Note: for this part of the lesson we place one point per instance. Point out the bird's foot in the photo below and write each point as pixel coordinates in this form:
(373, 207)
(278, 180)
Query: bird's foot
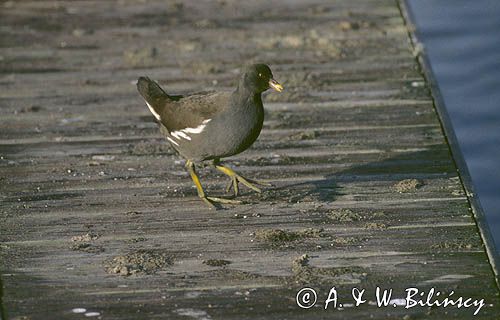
(210, 204)
(214, 202)
(250, 183)
(224, 200)
(235, 179)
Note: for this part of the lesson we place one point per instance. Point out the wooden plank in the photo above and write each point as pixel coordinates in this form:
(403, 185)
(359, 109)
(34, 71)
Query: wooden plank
(88, 184)
(479, 214)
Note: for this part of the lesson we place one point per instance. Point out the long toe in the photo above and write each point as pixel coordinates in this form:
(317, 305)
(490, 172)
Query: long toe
(223, 200)
(233, 183)
(229, 186)
(248, 184)
(259, 182)
(236, 178)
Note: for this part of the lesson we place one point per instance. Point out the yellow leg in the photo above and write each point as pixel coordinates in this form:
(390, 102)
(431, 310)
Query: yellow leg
(197, 183)
(208, 200)
(236, 178)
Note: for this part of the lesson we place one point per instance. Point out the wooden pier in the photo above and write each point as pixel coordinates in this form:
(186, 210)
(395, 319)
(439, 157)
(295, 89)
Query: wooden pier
(98, 218)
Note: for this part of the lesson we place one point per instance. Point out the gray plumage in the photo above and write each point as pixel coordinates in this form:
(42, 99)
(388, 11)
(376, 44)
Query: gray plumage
(212, 126)
(229, 123)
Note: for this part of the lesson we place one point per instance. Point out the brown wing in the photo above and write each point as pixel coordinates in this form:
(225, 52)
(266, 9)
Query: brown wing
(190, 111)
(179, 112)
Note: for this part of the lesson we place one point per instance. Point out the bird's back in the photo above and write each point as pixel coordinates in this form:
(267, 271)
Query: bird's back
(206, 125)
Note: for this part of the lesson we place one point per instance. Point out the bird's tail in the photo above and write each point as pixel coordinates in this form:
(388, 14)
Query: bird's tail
(153, 94)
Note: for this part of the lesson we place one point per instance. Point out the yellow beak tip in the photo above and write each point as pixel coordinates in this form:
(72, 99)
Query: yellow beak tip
(276, 86)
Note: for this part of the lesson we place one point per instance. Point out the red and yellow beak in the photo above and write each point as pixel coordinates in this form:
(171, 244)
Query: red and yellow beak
(275, 85)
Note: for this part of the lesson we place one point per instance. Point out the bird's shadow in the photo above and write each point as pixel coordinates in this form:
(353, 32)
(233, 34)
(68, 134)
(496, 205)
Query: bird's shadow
(429, 163)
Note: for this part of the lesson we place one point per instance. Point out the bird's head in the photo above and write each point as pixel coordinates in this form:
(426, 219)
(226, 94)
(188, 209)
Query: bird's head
(258, 78)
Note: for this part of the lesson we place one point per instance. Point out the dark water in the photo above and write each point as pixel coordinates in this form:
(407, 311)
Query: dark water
(462, 41)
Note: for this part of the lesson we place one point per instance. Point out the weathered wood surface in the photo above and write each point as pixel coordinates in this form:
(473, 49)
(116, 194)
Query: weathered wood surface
(82, 155)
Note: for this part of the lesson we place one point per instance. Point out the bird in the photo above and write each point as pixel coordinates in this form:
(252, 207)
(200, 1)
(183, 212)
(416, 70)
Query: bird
(211, 126)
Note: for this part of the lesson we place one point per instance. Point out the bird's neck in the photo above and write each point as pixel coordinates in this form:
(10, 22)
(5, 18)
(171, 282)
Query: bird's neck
(245, 94)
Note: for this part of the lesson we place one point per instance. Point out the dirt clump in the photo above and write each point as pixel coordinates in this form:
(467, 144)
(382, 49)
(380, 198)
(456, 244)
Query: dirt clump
(84, 243)
(141, 261)
(408, 185)
(344, 215)
(89, 236)
(460, 243)
(346, 241)
(280, 235)
(216, 262)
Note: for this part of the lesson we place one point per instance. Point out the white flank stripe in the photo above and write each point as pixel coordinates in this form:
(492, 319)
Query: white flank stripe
(175, 134)
(182, 134)
(157, 116)
(172, 140)
(198, 129)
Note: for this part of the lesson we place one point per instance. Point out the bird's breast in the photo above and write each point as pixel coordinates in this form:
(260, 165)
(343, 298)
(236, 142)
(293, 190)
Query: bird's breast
(249, 127)
(237, 129)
